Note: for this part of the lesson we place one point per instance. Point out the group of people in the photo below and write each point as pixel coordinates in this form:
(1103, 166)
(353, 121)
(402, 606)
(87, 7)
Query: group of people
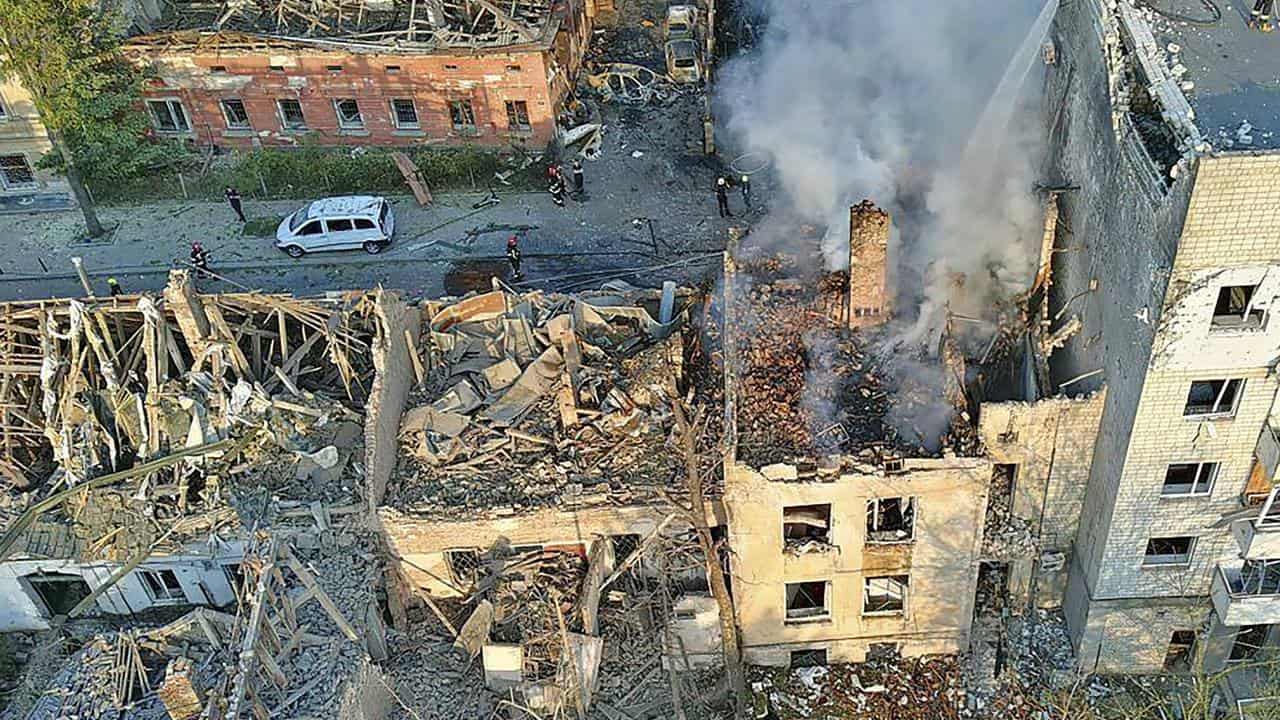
(555, 182)
(723, 185)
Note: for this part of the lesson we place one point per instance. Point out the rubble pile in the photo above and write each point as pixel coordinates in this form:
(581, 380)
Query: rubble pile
(539, 400)
(929, 688)
(1006, 536)
(429, 672)
(89, 685)
(524, 591)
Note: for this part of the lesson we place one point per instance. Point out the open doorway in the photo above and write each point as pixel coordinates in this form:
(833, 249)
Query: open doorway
(58, 592)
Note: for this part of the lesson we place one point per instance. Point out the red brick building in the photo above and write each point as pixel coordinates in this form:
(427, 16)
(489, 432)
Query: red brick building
(467, 72)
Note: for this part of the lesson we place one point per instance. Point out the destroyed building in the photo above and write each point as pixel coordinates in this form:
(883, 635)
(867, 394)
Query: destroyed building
(1167, 251)
(363, 72)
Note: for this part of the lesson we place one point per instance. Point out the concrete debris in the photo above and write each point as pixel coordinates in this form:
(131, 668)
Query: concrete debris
(538, 400)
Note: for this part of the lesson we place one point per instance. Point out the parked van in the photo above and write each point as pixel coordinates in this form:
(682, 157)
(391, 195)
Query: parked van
(338, 223)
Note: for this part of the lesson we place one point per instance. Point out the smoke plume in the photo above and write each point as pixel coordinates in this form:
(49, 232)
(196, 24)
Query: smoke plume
(927, 109)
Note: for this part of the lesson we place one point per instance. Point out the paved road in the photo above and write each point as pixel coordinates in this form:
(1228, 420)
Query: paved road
(649, 204)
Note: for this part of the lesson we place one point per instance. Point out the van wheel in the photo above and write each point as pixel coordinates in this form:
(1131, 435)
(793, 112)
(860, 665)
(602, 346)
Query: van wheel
(294, 251)
(373, 248)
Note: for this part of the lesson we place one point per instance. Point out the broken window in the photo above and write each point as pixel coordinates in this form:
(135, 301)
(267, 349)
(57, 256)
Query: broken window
(1259, 577)
(393, 69)
(1189, 479)
(623, 547)
(4, 109)
(1178, 656)
(884, 595)
(60, 592)
(807, 600)
(462, 115)
(291, 117)
(1213, 397)
(1249, 641)
(333, 68)
(891, 520)
(518, 116)
(464, 565)
(217, 68)
(349, 116)
(16, 173)
(168, 116)
(1169, 551)
(808, 658)
(1235, 310)
(234, 113)
(234, 574)
(163, 585)
(804, 526)
(405, 114)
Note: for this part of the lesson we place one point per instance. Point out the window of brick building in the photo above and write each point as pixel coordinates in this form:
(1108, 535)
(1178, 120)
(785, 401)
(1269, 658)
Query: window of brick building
(405, 114)
(4, 109)
(163, 585)
(1182, 479)
(1169, 551)
(462, 115)
(349, 116)
(291, 117)
(518, 116)
(885, 595)
(16, 173)
(1234, 309)
(1213, 397)
(1179, 654)
(393, 69)
(808, 658)
(802, 524)
(891, 520)
(168, 116)
(807, 600)
(236, 116)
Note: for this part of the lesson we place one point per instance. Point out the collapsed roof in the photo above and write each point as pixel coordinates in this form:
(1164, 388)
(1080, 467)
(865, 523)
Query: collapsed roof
(539, 399)
(417, 24)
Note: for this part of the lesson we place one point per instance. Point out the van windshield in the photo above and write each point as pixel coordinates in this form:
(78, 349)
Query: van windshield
(296, 219)
(382, 216)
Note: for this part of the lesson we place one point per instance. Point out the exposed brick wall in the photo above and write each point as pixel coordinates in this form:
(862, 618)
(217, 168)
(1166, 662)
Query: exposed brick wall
(488, 80)
(869, 228)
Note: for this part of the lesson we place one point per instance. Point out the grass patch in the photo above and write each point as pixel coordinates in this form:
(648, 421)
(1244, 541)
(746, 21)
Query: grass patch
(262, 226)
(312, 172)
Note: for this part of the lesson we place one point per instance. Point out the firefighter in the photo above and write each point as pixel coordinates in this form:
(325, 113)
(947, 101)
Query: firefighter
(200, 258)
(579, 178)
(557, 190)
(722, 196)
(513, 256)
(113, 286)
(746, 191)
(233, 199)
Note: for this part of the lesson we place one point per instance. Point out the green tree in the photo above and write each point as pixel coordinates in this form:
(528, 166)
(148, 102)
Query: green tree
(64, 52)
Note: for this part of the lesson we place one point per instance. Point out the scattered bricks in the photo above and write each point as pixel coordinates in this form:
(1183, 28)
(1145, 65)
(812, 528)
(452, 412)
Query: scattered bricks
(178, 693)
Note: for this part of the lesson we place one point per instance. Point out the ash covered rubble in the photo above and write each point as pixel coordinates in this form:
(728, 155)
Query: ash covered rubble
(821, 374)
(537, 400)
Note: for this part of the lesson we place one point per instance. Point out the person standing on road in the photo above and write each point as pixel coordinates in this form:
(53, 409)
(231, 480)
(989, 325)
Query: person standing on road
(113, 286)
(233, 199)
(722, 196)
(746, 191)
(200, 259)
(1260, 18)
(513, 256)
(579, 178)
(557, 191)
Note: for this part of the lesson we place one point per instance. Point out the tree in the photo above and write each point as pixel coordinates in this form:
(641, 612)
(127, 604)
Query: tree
(697, 514)
(65, 54)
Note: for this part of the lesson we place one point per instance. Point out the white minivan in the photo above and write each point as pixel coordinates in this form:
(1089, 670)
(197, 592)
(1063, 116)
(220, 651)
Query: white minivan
(338, 223)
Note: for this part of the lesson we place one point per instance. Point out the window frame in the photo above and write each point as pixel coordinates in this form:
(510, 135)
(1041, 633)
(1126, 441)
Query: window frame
(169, 103)
(284, 122)
(31, 171)
(226, 117)
(473, 128)
(1147, 561)
(4, 108)
(824, 616)
(344, 124)
(872, 517)
(1227, 322)
(1215, 410)
(1215, 469)
(513, 108)
(167, 595)
(395, 114)
(906, 595)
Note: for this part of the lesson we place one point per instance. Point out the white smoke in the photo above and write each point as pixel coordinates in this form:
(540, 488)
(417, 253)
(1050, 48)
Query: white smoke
(928, 109)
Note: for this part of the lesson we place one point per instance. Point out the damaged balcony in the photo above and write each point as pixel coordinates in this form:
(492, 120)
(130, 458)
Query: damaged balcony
(1247, 592)
(1259, 537)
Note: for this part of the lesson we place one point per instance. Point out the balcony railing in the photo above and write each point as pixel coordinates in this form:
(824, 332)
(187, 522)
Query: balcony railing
(1247, 592)
(1252, 579)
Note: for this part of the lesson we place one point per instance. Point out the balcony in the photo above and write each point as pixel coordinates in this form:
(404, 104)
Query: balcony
(1258, 540)
(1247, 593)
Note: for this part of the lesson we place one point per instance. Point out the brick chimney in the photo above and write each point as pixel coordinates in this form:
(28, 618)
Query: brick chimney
(868, 265)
